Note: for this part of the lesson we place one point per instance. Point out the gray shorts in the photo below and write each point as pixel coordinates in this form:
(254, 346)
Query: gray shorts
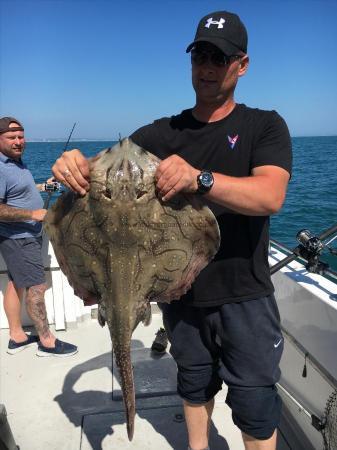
(23, 259)
(238, 343)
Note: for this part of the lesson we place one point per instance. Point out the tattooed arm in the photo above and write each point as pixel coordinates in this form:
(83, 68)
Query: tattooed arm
(10, 214)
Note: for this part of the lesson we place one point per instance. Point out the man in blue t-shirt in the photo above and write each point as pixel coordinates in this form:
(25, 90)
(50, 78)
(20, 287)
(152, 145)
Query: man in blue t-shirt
(21, 217)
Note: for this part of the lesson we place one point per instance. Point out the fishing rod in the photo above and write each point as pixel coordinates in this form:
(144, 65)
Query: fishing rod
(310, 248)
(55, 186)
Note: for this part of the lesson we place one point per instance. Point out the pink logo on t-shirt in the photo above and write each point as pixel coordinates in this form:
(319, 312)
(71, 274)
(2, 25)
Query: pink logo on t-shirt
(232, 140)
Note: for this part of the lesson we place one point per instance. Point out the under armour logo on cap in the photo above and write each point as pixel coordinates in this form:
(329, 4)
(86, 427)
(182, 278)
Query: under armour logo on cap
(210, 22)
(224, 30)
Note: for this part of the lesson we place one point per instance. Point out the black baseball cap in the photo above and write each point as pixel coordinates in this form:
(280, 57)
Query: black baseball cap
(6, 121)
(224, 30)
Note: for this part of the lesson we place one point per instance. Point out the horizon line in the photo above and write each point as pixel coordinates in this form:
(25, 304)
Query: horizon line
(116, 140)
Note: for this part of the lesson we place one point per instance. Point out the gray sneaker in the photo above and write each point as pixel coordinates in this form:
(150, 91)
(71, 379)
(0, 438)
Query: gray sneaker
(61, 349)
(160, 342)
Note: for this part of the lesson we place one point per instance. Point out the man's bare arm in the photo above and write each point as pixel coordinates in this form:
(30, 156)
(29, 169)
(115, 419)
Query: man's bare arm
(10, 214)
(260, 194)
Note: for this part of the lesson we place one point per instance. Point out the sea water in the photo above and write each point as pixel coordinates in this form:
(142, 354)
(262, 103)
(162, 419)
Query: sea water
(311, 201)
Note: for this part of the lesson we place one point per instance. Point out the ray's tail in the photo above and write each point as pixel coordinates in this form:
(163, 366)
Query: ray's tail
(123, 361)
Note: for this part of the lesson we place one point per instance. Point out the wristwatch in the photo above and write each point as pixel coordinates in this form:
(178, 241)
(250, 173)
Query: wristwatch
(205, 182)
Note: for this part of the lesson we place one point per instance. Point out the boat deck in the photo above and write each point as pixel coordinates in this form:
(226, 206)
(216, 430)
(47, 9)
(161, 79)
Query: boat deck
(74, 403)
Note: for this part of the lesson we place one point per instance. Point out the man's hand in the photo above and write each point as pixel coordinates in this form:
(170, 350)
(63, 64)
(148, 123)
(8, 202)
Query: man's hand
(40, 187)
(38, 215)
(72, 170)
(175, 175)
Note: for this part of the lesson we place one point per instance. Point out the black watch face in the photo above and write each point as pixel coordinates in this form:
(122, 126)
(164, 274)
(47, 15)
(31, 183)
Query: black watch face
(206, 179)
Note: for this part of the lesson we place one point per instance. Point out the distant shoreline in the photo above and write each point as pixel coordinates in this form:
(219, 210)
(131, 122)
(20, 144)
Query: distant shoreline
(116, 140)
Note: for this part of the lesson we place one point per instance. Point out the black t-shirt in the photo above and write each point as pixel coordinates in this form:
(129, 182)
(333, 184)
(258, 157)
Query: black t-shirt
(245, 139)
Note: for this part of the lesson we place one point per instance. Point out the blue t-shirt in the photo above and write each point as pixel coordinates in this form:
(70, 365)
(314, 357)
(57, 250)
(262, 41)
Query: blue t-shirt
(18, 189)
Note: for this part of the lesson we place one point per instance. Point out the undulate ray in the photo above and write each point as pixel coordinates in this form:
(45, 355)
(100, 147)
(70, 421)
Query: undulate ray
(122, 247)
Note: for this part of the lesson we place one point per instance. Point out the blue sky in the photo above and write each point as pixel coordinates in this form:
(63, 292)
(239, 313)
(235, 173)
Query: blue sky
(112, 66)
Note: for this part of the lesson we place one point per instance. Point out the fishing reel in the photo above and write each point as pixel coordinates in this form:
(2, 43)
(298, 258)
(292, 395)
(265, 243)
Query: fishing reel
(310, 242)
(53, 186)
(311, 248)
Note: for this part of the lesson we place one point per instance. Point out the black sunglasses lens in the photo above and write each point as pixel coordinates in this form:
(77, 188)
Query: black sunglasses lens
(217, 58)
(199, 57)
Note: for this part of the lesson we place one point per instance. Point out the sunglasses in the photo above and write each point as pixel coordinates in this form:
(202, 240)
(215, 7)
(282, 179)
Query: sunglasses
(218, 59)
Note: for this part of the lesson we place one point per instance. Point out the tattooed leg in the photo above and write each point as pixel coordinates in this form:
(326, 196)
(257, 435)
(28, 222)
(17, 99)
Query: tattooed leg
(36, 309)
